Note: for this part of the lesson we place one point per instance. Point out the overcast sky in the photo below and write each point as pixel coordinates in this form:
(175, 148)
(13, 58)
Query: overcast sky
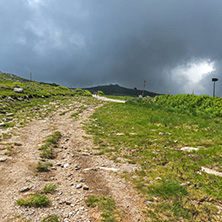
(175, 45)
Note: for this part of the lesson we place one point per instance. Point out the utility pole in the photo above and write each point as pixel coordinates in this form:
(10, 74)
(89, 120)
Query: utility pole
(214, 80)
(136, 91)
(30, 75)
(144, 88)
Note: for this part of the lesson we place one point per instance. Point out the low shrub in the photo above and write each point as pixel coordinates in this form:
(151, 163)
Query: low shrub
(43, 167)
(35, 200)
(184, 103)
(51, 218)
(48, 147)
(49, 188)
(105, 204)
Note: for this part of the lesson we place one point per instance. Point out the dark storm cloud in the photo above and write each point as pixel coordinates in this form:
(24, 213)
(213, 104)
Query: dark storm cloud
(83, 42)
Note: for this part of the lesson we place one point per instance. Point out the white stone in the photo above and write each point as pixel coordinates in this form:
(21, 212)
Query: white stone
(66, 165)
(189, 149)
(210, 171)
(3, 159)
(109, 169)
(78, 186)
(19, 90)
(119, 134)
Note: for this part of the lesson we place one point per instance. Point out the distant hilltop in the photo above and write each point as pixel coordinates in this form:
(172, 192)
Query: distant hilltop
(117, 90)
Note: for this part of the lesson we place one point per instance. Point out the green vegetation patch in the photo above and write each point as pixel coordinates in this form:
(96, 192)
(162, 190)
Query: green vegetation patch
(79, 110)
(100, 93)
(105, 204)
(124, 98)
(34, 101)
(63, 113)
(49, 144)
(35, 200)
(43, 166)
(81, 92)
(34, 89)
(185, 103)
(151, 136)
(168, 189)
(51, 218)
(50, 188)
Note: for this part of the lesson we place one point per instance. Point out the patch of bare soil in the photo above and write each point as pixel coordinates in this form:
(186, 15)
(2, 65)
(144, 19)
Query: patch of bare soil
(76, 171)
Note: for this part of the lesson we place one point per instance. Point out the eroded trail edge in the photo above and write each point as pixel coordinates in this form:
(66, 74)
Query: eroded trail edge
(76, 171)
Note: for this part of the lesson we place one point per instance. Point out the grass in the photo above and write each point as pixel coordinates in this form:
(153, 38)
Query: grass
(49, 144)
(34, 89)
(48, 153)
(50, 188)
(51, 218)
(151, 137)
(168, 189)
(36, 101)
(63, 113)
(74, 115)
(124, 98)
(43, 167)
(35, 200)
(9, 151)
(79, 110)
(104, 204)
(6, 136)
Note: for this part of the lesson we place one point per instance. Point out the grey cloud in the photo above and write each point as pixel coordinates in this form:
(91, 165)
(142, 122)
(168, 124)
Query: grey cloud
(85, 43)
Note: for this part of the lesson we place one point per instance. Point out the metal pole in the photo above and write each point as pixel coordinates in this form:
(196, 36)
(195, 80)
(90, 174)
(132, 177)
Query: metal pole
(136, 91)
(214, 89)
(214, 81)
(30, 75)
(144, 87)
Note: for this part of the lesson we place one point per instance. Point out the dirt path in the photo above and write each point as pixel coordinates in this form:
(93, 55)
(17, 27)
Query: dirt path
(75, 164)
(108, 99)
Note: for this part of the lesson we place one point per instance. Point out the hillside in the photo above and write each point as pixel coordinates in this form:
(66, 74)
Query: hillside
(31, 89)
(49, 168)
(68, 156)
(17, 94)
(177, 155)
(117, 90)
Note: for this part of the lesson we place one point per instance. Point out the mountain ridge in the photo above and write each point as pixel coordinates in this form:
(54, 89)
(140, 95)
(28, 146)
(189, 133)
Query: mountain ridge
(116, 90)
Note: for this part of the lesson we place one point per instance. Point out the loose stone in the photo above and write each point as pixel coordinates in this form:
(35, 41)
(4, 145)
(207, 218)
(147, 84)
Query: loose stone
(77, 167)
(10, 114)
(3, 159)
(19, 90)
(85, 187)
(24, 189)
(66, 165)
(2, 124)
(78, 186)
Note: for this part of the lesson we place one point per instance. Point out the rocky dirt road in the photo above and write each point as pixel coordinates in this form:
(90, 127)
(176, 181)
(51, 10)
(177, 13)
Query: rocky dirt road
(77, 172)
(108, 99)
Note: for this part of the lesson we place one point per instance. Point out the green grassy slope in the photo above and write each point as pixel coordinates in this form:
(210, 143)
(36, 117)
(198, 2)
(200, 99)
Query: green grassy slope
(185, 103)
(36, 96)
(31, 88)
(151, 137)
